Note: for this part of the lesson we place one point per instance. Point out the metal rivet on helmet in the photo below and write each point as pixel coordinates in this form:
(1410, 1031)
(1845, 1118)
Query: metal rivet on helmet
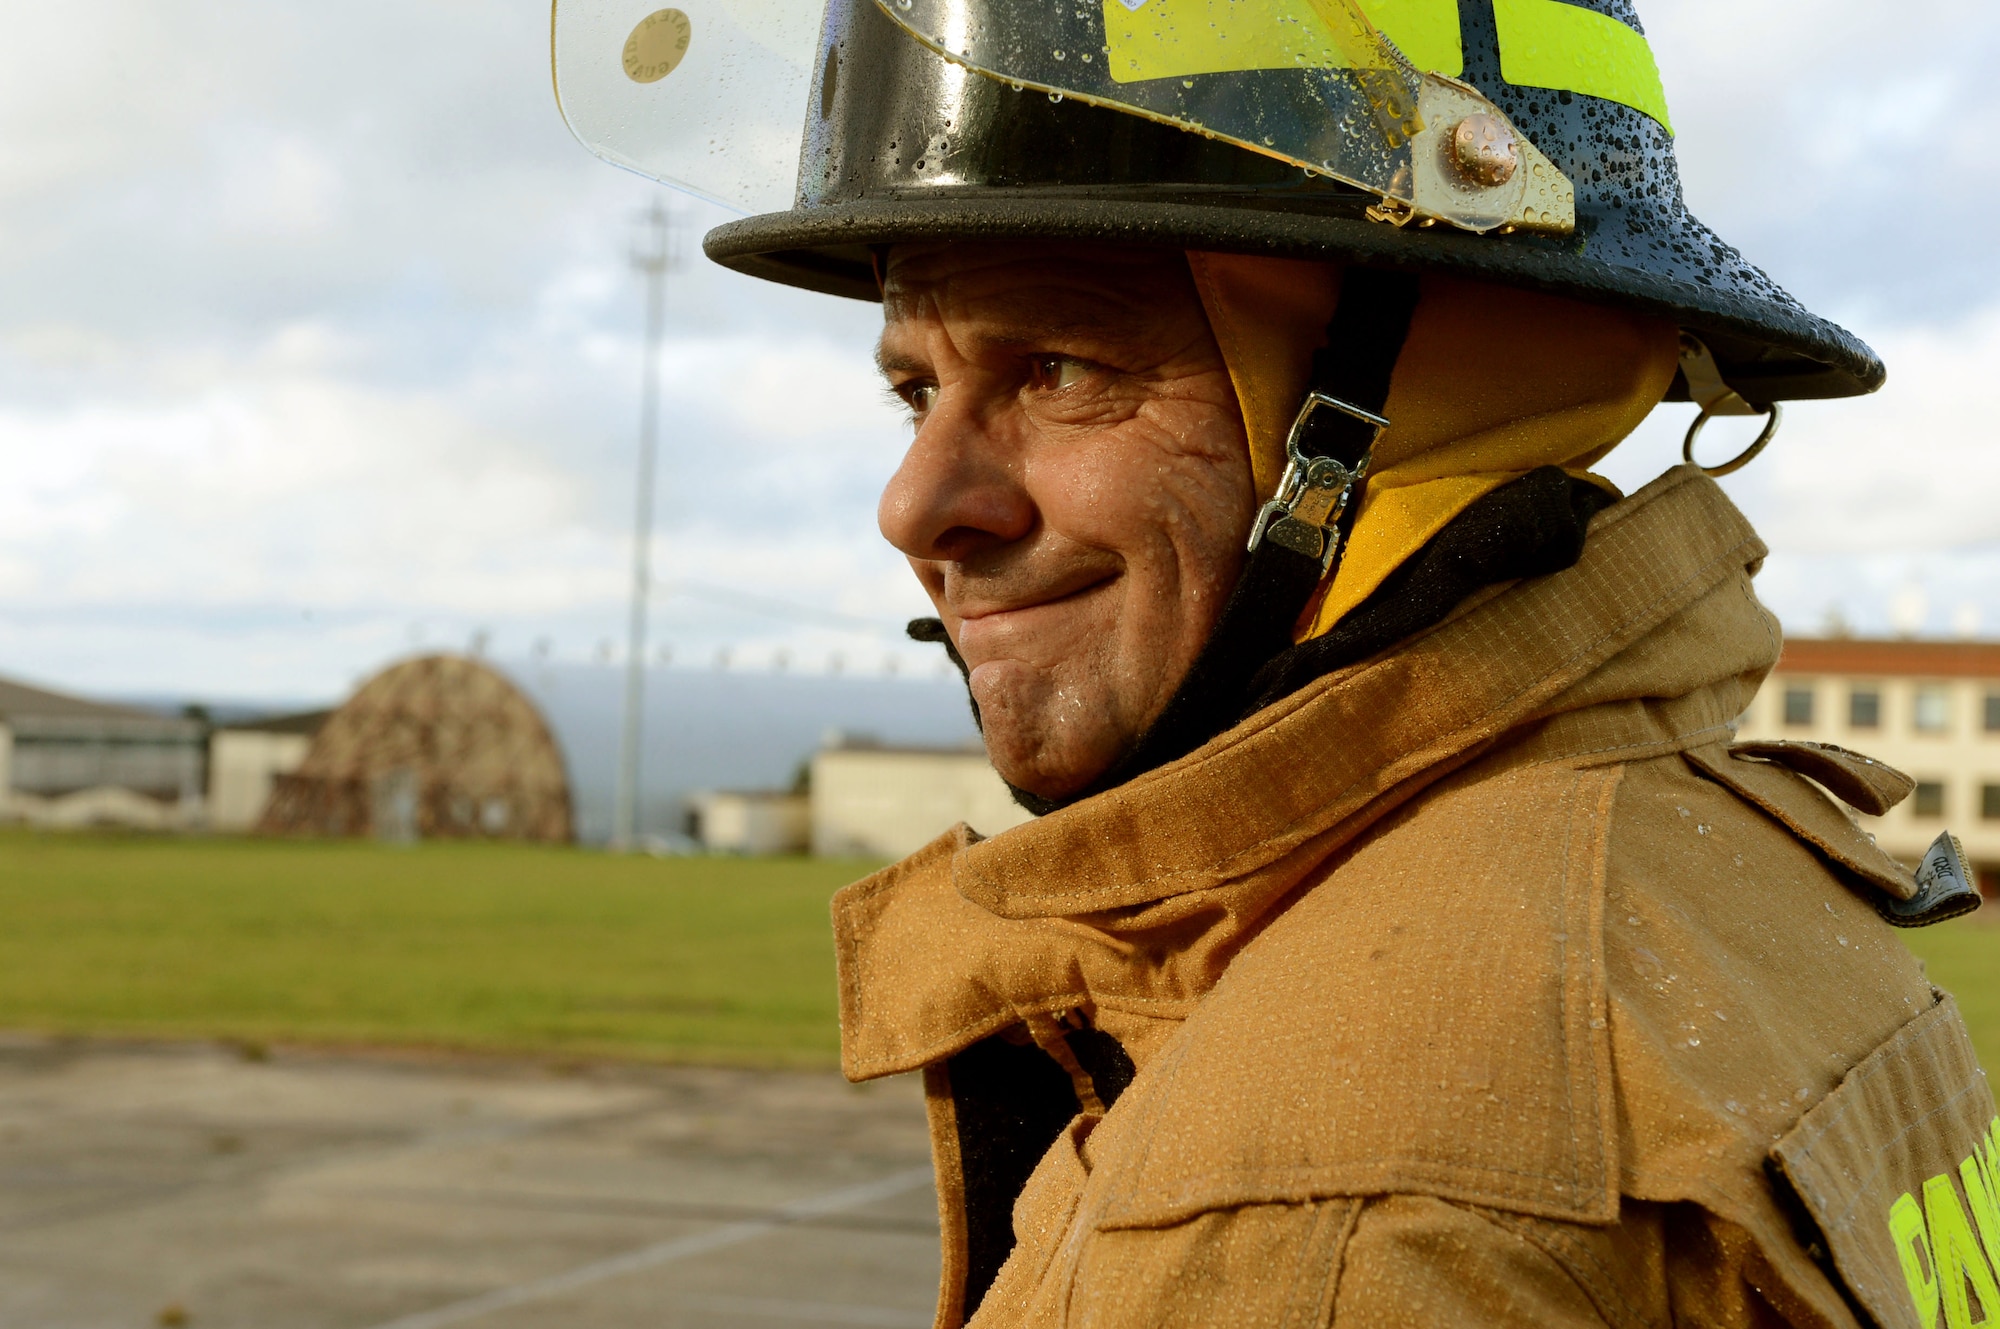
(1482, 148)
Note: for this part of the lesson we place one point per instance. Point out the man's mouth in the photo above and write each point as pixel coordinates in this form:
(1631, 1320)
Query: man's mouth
(987, 622)
(1056, 593)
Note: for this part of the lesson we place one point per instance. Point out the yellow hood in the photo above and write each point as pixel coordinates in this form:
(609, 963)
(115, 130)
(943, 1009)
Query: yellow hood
(1492, 383)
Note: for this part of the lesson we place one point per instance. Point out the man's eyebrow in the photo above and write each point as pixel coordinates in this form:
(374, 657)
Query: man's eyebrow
(1026, 332)
(894, 362)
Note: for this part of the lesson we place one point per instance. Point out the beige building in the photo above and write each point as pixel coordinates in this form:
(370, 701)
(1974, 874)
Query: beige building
(752, 821)
(69, 762)
(244, 762)
(1929, 708)
(884, 802)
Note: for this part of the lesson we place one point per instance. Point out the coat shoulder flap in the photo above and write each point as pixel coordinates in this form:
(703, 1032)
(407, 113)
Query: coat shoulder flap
(1860, 781)
(1769, 775)
(1429, 1018)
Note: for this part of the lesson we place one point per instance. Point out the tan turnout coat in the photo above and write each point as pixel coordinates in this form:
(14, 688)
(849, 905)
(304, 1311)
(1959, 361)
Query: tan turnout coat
(1478, 983)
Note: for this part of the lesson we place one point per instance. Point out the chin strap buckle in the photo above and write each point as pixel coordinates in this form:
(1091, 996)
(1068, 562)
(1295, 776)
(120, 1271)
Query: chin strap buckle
(1315, 492)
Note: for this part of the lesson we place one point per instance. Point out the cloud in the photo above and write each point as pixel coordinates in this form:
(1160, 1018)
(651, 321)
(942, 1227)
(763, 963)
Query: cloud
(1864, 498)
(318, 342)
(1832, 141)
(1913, 468)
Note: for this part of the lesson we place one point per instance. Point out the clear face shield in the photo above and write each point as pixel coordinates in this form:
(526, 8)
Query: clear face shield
(708, 97)
(711, 97)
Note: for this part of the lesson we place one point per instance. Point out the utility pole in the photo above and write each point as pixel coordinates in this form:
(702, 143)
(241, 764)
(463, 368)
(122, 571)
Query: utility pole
(652, 256)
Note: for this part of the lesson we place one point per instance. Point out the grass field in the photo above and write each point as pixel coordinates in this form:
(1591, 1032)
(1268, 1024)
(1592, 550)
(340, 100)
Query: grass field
(1963, 958)
(487, 947)
(458, 945)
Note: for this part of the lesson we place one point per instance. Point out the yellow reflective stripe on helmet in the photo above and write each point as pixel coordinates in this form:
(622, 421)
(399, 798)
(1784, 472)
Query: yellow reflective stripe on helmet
(1181, 38)
(1425, 31)
(1550, 44)
(1178, 38)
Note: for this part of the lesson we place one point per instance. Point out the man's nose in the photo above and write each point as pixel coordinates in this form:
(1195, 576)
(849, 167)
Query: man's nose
(961, 487)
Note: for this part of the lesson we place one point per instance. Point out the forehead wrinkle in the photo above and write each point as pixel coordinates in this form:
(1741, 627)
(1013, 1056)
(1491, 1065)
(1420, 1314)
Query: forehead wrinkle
(1054, 297)
(1045, 308)
(1011, 307)
(1028, 324)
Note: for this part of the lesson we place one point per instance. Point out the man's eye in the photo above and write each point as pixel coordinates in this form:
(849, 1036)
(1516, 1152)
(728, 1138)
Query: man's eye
(1055, 372)
(921, 398)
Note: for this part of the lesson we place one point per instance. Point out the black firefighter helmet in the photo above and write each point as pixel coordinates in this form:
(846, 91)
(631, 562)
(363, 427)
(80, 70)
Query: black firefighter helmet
(1525, 142)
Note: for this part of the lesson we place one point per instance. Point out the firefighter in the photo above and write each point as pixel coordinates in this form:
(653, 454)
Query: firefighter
(1403, 938)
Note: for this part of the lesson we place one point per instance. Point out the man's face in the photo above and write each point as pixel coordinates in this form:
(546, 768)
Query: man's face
(1078, 493)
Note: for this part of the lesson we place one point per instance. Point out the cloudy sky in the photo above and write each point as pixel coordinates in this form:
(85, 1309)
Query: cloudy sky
(318, 344)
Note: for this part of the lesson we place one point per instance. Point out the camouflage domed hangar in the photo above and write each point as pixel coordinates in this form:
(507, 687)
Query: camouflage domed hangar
(440, 747)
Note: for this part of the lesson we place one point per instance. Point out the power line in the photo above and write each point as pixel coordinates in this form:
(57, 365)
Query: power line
(772, 606)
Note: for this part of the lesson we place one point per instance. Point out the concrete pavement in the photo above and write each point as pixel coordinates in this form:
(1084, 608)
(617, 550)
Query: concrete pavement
(161, 1185)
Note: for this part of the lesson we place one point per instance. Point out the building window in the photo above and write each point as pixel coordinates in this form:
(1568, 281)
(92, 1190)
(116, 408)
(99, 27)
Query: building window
(1989, 801)
(1864, 708)
(1929, 798)
(1798, 705)
(1931, 710)
(1993, 712)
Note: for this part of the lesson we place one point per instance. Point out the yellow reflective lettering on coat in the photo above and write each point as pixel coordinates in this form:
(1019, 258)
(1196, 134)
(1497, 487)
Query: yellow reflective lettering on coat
(1956, 1250)
(1978, 1185)
(1941, 1253)
(1551, 44)
(1181, 38)
(1913, 1249)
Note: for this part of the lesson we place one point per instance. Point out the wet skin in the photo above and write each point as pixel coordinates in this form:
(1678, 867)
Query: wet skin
(1077, 494)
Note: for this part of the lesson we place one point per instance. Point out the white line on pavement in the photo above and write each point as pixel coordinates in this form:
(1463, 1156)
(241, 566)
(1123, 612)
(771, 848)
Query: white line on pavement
(812, 1312)
(665, 1252)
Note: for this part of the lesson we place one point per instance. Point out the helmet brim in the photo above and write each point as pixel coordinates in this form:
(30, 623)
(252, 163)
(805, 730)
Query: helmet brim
(1769, 350)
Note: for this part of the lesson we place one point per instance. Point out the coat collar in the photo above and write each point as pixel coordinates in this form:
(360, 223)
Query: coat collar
(1137, 899)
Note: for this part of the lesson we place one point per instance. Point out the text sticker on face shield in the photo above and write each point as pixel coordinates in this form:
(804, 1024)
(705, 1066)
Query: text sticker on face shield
(708, 96)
